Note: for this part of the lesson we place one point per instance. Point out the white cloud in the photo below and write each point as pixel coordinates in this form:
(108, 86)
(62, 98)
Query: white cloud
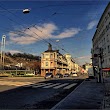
(91, 24)
(68, 33)
(44, 31)
(84, 57)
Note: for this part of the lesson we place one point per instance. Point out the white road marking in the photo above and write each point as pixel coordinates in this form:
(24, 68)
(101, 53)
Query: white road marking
(56, 87)
(42, 85)
(33, 84)
(52, 85)
(70, 86)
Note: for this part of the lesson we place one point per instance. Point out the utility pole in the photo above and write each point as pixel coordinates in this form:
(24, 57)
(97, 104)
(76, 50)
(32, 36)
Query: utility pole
(3, 51)
(100, 65)
(99, 55)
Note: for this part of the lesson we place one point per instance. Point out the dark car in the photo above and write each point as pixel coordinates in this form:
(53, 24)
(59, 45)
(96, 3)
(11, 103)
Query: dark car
(48, 75)
(66, 75)
(59, 75)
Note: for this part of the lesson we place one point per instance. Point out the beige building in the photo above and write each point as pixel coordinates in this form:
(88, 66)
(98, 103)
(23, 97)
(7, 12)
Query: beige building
(71, 63)
(53, 61)
(101, 41)
(87, 66)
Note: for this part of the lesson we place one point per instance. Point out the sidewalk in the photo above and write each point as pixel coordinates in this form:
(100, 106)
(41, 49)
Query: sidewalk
(107, 94)
(88, 95)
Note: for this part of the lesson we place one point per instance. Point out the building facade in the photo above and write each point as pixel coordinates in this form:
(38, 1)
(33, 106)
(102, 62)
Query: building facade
(101, 42)
(71, 63)
(86, 66)
(53, 61)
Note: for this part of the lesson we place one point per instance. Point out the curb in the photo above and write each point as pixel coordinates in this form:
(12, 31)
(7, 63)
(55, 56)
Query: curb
(55, 107)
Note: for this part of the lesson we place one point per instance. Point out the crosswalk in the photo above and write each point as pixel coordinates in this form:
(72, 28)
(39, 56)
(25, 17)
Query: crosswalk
(52, 85)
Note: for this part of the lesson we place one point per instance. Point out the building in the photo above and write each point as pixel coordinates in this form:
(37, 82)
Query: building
(71, 63)
(86, 66)
(53, 61)
(101, 42)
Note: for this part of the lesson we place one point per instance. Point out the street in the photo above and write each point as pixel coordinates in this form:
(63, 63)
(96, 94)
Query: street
(38, 94)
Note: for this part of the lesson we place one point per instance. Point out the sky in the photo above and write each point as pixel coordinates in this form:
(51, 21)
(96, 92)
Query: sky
(68, 25)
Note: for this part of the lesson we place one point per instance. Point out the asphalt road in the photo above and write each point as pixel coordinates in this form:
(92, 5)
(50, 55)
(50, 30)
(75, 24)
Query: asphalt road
(43, 94)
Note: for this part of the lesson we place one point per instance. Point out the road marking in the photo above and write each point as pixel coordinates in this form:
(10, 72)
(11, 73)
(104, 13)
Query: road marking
(70, 86)
(52, 85)
(33, 84)
(56, 87)
(42, 85)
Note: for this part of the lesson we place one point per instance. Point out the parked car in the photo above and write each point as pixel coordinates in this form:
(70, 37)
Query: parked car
(73, 74)
(30, 74)
(58, 75)
(66, 75)
(48, 75)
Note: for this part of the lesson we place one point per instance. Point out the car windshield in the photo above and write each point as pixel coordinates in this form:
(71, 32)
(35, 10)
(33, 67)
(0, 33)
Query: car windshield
(66, 74)
(48, 73)
(51, 48)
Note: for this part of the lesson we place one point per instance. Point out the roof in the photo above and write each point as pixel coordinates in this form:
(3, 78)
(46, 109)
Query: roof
(50, 51)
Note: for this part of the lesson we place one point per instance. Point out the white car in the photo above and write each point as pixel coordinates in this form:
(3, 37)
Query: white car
(74, 74)
(30, 74)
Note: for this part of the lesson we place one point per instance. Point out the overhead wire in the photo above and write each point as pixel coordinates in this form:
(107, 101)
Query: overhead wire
(33, 26)
(37, 29)
(19, 23)
(26, 28)
(29, 28)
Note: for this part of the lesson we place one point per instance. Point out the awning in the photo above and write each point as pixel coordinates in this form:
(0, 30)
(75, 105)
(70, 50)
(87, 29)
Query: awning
(106, 69)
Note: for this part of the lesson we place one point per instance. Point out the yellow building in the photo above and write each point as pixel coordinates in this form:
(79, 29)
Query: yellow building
(53, 61)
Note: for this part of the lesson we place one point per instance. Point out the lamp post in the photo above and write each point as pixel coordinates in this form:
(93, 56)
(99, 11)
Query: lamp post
(100, 65)
(3, 51)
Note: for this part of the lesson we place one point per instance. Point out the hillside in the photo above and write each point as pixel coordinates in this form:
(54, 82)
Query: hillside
(21, 61)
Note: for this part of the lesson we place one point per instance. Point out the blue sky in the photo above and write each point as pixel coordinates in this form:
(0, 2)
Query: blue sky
(72, 24)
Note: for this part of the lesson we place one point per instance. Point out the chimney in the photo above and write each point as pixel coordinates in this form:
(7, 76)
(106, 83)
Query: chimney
(49, 47)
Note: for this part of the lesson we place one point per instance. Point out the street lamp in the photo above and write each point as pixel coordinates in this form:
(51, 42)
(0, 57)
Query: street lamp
(3, 50)
(25, 11)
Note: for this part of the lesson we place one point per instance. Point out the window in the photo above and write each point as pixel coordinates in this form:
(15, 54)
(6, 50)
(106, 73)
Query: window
(108, 13)
(104, 40)
(46, 63)
(42, 55)
(107, 27)
(51, 55)
(46, 55)
(107, 38)
(106, 18)
(108, 48)
(54, 55)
